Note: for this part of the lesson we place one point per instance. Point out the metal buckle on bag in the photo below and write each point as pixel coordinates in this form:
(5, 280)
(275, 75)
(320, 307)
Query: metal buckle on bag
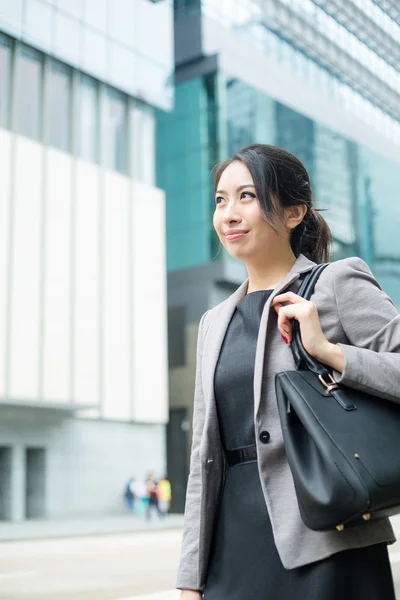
(365, 516)
(329, 386)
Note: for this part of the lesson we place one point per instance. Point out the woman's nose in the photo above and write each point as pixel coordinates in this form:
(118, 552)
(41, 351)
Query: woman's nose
(231, 214)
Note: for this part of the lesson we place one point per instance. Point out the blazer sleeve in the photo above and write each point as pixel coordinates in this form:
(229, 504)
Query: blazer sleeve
(371, 324)
(188, 577)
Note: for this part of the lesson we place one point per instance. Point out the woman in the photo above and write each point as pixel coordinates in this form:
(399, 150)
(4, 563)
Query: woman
(244, 538)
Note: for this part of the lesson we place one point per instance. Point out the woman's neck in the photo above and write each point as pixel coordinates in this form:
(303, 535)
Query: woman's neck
(269, 274)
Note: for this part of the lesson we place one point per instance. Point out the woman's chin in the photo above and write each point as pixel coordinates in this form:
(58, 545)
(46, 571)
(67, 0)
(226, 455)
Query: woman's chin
(239, 254)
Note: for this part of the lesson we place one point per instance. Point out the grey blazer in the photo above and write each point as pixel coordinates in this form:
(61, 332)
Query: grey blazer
(354, 313)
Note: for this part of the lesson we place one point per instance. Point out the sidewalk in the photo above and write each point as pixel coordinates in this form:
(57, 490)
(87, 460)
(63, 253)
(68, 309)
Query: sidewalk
(104, 524)
(98, 525)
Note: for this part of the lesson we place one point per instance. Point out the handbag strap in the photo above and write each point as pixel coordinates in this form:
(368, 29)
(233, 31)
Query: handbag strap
(301, 357)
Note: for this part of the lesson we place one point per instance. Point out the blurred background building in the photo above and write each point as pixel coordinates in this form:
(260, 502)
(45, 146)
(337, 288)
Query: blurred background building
(320, 78)
(83, 328)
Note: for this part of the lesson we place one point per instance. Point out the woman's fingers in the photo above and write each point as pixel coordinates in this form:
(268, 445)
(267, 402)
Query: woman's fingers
(284, 325)
(299, 309)
(288, 297)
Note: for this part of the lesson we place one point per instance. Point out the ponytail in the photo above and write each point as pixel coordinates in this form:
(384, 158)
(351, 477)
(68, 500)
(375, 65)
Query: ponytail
(312, 237)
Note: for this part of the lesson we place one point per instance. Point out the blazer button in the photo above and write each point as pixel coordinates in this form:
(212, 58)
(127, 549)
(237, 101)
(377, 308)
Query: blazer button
(265, 437)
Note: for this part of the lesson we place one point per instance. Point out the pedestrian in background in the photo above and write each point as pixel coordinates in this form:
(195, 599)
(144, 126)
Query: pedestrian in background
(139, 489)
(129, 495)
(152, 494)
(244, 537)
(164, 495)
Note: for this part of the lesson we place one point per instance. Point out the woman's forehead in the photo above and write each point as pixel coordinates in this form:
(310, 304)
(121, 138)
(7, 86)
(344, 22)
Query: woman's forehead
(234, 175)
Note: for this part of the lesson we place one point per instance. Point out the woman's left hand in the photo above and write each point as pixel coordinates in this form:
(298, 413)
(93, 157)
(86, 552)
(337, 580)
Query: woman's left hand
(306, 313)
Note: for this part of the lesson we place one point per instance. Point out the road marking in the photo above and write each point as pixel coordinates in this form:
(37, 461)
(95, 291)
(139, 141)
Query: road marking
(18, 574)
(170, 595)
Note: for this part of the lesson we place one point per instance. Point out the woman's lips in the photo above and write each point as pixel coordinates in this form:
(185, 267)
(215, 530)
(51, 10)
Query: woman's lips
(235, 235)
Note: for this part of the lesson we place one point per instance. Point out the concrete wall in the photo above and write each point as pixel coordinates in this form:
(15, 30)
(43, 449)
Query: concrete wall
(87, 461)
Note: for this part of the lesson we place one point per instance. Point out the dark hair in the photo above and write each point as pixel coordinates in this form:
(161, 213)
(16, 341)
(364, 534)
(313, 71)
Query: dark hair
(281, 180)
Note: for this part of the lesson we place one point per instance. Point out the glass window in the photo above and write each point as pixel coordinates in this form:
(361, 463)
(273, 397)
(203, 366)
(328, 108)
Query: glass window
(5, 81)
(59, 106)
(88, 119)
(115, 127)
(29, 92)
(176, 336)
(143, 143)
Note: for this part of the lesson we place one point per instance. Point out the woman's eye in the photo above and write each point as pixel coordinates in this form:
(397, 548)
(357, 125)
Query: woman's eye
(244, 195)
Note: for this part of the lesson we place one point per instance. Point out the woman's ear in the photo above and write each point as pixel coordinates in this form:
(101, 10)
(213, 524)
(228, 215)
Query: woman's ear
(294, 215)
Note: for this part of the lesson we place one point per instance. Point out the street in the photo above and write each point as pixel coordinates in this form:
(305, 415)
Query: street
(111, 567)
(134, 566)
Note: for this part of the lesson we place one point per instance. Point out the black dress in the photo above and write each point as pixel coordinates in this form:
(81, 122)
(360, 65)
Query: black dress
(244, 563)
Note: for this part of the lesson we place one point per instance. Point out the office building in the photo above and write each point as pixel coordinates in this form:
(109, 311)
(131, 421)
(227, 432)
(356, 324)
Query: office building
(83, 328)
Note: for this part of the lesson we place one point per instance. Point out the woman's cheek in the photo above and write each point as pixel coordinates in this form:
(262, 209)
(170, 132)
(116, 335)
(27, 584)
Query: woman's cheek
(216, 221)
(218, 228)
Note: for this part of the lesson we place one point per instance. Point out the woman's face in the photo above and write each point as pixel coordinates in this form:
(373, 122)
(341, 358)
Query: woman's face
(238, 220)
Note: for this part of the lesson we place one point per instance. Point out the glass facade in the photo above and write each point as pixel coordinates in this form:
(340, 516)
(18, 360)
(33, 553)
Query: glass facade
(59, 106)
(107, 39)
(356, 185)
(120, 136)
(115, 107)
(142, 142)
(349, 54)
(185, 154)
(29, 73)
(88, 118)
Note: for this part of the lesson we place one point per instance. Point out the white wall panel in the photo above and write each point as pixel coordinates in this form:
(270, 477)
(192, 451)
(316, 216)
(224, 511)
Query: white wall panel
(86, 323)
(159, 19)
(26, 270)
(5, 180)
(149, 327)
(116, 396)
(88, 272)
(57, 277)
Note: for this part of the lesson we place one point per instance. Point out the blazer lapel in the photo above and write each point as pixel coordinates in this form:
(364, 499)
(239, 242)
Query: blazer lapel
(301, 265)
(216, 333)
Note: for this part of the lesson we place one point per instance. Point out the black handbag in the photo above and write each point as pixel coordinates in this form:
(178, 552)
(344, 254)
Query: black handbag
(342, 445)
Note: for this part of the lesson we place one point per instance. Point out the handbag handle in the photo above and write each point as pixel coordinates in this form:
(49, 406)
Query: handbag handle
(301, 357)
